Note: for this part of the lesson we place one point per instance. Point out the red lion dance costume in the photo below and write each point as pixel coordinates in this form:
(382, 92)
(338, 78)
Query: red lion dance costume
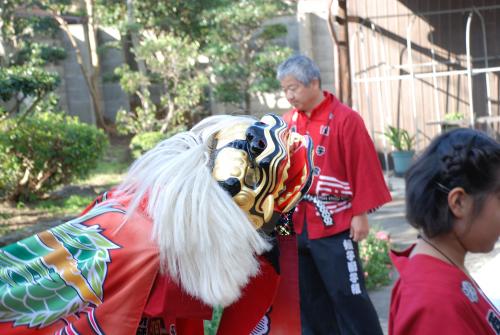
(191, 227)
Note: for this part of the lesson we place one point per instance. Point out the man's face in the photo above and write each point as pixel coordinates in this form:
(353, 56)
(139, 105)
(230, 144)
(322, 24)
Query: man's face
(300, 96)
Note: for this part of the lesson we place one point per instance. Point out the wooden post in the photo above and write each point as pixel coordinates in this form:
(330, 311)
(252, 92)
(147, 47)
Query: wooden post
(341, 40)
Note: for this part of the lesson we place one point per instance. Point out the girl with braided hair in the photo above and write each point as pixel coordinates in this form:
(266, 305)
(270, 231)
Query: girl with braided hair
(453, 199)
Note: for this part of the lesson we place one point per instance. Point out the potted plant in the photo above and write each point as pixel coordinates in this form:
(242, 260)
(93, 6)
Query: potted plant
(452, 120)
(403, 153)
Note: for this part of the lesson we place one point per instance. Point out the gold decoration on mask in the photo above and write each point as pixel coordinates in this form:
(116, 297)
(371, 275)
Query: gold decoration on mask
(252, 163)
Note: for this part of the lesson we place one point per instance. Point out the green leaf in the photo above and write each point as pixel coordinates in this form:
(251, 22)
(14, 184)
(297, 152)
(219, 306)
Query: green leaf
(400, 138)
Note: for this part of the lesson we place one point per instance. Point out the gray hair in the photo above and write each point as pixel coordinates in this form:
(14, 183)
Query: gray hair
(301, 68)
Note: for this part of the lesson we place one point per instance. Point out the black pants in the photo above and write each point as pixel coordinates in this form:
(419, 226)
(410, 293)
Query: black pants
(333, 297)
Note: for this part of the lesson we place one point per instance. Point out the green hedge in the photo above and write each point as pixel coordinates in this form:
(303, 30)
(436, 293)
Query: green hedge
(40, 54)
(28, 80)
(44, 151)
(142, 142)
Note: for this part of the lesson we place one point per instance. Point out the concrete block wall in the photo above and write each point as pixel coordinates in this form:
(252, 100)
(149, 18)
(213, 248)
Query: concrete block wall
(315, 40)
(76, 98)
(74, 94)
(269, 102)
(75, 91)
(114, 97)
(307, 34)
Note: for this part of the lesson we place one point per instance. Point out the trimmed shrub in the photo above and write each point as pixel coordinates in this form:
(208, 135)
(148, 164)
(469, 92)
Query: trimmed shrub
(44, 151)
(8, 165)
(40, 54)
(142, 142)
(28, 80)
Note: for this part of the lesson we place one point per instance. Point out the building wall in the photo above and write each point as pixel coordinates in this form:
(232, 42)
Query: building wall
(74, 92)
(75, 97)
(315, 41)
(73, 89)
(269, 102)
(437, 31)
(378, 33)
(114, 98)
(384, 90)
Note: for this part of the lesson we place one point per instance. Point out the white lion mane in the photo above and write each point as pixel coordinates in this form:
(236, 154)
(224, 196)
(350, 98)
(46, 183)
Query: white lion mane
(206, 242)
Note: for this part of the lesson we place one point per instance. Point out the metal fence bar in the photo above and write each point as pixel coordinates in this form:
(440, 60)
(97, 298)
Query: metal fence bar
(402, 66)
(469, 69)
(434, 84)
(381, 109)
(388, 100)
(429, 74)
(438, 12)
(486, 64)
(412, 80)
(355, 92)
(363, 64)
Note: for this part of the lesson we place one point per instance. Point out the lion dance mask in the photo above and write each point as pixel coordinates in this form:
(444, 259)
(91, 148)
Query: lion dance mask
(254, 164)
(181, 234)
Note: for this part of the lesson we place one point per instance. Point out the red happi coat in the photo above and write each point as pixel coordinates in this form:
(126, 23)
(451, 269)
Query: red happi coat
(434, 297)
(346, 166)
(132, 287)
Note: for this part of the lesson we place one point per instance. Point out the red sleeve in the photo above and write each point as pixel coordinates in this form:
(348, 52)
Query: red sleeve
(363, 167)
(432, 317)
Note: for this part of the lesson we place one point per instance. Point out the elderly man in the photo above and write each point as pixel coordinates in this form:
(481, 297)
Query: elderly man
(331, 219)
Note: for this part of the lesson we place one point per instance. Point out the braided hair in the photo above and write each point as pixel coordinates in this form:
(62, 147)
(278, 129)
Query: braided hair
(460, 158)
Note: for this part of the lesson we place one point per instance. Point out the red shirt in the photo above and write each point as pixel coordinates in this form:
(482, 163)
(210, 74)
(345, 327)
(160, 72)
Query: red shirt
(434, 297)
(346, 166)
